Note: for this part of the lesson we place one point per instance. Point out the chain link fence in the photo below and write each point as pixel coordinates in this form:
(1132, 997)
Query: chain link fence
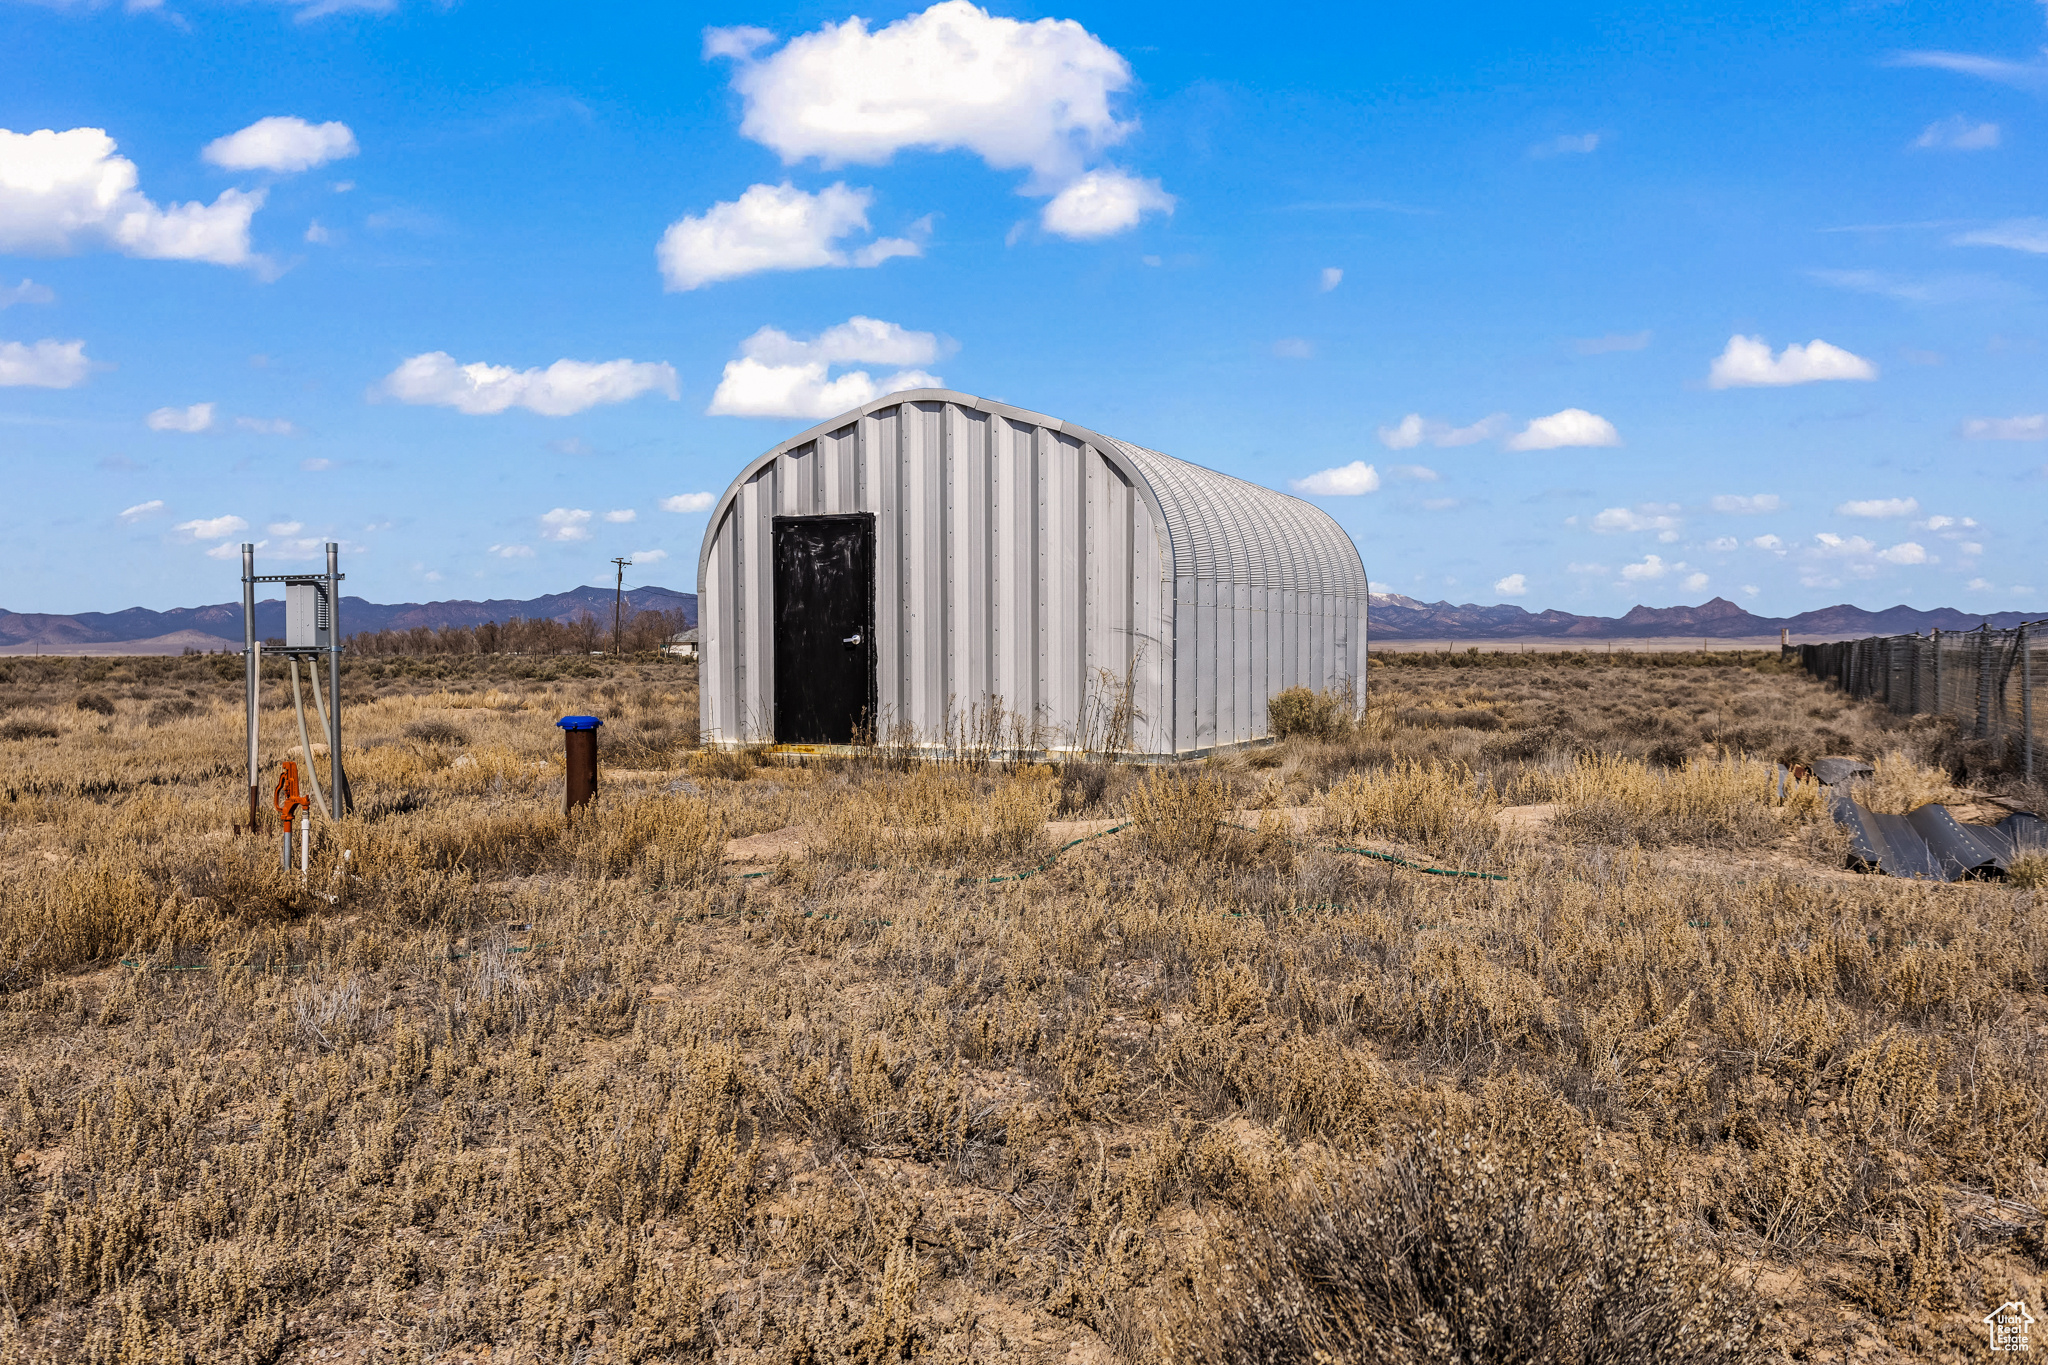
(1983, 678)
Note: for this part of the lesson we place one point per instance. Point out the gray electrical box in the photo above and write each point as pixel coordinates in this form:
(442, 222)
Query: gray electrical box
(308, 617)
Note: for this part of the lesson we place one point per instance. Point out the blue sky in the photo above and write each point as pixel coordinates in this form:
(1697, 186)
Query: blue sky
(1569, 306)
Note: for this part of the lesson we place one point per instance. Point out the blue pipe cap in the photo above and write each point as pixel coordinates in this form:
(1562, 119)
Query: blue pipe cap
(579, 722)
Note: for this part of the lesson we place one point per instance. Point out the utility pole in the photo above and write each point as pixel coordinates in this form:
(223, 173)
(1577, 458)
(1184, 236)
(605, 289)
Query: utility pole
(618, 609)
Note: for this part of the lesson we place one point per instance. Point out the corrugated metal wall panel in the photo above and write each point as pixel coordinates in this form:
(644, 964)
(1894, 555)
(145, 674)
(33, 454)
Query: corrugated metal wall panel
(1151, 634)
(1016, 556)
(1014, 566)
(922, 627)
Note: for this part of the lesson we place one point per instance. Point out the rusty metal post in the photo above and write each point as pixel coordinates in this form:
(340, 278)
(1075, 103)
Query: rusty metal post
(579, 755)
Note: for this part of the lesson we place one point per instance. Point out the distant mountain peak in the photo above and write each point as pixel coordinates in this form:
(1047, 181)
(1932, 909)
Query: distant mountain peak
(222, 622)
(1397, 617)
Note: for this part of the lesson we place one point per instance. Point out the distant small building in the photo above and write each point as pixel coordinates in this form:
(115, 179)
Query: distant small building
(682, 645)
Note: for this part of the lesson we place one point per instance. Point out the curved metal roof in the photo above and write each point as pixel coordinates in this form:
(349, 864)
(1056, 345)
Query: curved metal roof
(1234, 531)
(1220, 528)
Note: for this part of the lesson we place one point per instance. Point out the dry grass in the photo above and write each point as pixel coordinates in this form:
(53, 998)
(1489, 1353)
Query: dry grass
(1678, 1088)
(1901, 785)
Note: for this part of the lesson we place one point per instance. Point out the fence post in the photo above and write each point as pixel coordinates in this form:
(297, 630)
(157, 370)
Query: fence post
(1936, 708)
(1984, 681)
(2027, 701)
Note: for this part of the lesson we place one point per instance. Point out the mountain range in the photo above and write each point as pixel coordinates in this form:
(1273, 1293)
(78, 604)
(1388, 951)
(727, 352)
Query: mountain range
(141, 631)
(1394, 617)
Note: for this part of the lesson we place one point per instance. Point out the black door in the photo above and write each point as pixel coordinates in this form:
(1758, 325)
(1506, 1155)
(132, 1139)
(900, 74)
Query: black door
(824, 628)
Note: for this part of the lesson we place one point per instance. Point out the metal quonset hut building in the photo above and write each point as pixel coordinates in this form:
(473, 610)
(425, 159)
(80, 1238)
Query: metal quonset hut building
(933, 554)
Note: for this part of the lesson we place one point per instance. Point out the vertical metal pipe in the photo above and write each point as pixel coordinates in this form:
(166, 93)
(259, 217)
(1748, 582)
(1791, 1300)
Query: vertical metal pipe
(249, 669)
(334, 792)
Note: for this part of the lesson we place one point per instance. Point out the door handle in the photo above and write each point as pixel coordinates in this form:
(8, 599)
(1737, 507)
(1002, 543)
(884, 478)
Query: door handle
(853, 639)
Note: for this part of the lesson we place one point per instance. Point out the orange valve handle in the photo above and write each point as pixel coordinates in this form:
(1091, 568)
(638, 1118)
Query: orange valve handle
(286, 798)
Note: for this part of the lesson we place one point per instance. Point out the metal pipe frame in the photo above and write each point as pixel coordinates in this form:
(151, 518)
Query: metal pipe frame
(334, 789)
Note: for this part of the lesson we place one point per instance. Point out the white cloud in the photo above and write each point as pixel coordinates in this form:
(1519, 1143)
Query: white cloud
(1743, 504)
(1572, 427)
(1880, 507)
(856, 340)
(1694, 582)
(1750, 590)
(648, 556)
(563, 388)
(1570, 144)
(28, 291)
(512, 551)
(1649, 516)
(1936, 289)
(314, 466)
(2033, 427)
(43, 364)
(1033, 96)
(228, 549)
(1970, 547)
(267, 426)
(1907, 552)
(1421, 473)
(751, 389)
(1294, 348)
(317, 235)
(1956, 134)
(2025, 75)
(1747, 362)
(1331, 277)
(1514, 585)
(198, 417)
(142, 509)
(2017, 234)
(285, 528)
(1651, 567)
(1724, 544)
(778, 375)
(282, 143)
(954, 77)
(565, 523)
(689, 502)
(1613, 341)
(64, 192)
(1844, 547)
(1768, 543)
(1414, 429)
(739, 41)
(621, 515)
(773, 227)
(212, 528)
(1103, 203)
(1341, 482)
